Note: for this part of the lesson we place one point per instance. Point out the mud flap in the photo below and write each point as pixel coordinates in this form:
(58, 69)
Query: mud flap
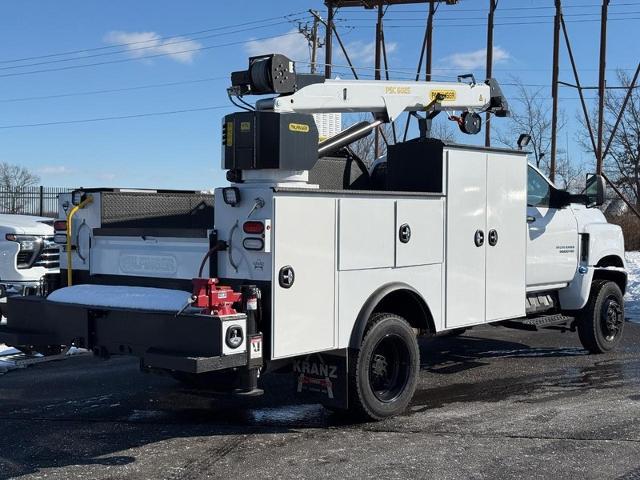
(322, 378)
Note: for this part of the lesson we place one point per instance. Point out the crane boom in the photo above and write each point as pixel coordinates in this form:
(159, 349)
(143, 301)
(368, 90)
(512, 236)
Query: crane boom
(386, 99)
(389, 98)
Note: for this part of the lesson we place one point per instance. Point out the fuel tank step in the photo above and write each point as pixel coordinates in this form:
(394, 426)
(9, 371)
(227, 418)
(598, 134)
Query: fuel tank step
(533, 323)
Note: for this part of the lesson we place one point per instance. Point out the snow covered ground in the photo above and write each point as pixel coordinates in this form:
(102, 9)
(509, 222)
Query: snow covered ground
(632, 299)
(7, 355)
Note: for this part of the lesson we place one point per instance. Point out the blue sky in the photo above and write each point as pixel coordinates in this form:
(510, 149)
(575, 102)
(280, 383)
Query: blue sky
(182, 150)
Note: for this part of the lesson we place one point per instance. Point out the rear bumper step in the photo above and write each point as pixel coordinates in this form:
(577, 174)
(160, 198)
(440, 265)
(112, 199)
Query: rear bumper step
(188, 342)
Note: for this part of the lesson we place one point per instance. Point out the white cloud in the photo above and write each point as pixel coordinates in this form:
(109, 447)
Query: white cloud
(293, 45)
(363, 54)
(55, 170)
(142, 44)
(105, 177)
(474, 60)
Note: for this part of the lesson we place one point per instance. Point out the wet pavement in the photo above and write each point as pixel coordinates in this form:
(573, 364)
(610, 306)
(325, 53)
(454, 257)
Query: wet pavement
(493, 403)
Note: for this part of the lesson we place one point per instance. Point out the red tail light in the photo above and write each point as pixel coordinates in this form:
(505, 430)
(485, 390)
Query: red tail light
(60, 225)
(254, 228)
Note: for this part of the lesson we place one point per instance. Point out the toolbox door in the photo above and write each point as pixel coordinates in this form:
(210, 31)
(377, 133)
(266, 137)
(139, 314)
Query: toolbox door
(304, 276)
(506, 236)
(466, 234)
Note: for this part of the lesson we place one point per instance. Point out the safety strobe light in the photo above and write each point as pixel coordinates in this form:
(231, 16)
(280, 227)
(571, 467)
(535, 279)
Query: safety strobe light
(253, 227)
(231, 196)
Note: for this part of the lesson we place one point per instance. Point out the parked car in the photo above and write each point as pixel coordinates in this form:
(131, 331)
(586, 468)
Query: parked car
(28, 256)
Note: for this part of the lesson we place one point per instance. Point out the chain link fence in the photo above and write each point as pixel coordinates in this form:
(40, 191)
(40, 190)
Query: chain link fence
(42, 201)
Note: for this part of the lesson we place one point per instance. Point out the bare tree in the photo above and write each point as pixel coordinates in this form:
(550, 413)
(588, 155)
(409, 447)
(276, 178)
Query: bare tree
(622, 163)
(14, 180)
(365, 147)
(531, 114)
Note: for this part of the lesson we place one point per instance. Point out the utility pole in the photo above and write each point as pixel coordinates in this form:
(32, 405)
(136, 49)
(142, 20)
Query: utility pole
(378, 66)
(311, 34)
(429, 62)
(602, 83)
(493, 4)
(328, 39)
(554, 89)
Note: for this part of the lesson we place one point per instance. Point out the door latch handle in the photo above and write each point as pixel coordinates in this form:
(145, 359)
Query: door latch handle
(478, 238)
(493, 237)
(531, 219)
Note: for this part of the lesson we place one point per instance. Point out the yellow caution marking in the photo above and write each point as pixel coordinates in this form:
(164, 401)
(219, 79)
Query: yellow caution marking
(229, 134)
(299, 127)
(449, 95)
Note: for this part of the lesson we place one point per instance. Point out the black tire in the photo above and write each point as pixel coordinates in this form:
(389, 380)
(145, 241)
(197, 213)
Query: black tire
(601, 321)
(384, 373)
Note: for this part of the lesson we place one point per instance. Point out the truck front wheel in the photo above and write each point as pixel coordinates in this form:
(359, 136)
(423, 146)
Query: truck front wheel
(385, 369)
(601, 321)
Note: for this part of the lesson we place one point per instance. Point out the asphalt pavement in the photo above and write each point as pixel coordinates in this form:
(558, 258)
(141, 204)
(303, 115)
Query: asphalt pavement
(493, 403)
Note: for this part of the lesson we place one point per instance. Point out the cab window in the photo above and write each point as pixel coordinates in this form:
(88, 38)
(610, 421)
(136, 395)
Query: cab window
(538, 189)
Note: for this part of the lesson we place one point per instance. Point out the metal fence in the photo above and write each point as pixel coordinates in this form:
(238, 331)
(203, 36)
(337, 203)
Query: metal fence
(41, 201)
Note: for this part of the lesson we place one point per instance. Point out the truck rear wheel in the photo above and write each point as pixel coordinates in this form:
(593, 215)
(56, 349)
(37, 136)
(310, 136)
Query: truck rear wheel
(601, 321)
(385, 370)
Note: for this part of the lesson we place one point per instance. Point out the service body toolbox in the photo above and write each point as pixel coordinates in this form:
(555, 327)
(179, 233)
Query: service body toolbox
(324, 268)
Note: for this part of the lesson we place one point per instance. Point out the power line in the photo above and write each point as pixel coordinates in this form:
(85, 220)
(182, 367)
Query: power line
(119, 117)
(510, 23)
(146, 57)
(136, 49)
(413, 19)
(112, 90)
(86, 50)
(626, 4)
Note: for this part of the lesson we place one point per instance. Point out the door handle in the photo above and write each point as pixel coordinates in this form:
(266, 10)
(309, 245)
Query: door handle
(531, 219)
(493, 237)
(478, 238)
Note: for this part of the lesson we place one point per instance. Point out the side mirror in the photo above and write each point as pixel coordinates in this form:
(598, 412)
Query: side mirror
(594, 190)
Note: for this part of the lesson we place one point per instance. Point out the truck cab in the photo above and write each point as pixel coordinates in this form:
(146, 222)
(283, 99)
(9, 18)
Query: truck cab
(568, 245)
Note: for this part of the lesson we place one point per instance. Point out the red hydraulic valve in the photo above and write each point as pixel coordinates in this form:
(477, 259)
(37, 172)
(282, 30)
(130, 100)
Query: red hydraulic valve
(214, 299)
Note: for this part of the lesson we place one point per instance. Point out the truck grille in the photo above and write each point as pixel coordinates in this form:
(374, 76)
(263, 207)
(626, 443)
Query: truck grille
(46, 256)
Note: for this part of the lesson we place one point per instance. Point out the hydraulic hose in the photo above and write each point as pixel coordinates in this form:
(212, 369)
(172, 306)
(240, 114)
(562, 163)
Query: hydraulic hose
(221, 245)
(70, 216)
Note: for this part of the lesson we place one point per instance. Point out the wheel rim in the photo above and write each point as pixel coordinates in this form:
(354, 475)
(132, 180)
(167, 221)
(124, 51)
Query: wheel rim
(611, 319)
(389, 368)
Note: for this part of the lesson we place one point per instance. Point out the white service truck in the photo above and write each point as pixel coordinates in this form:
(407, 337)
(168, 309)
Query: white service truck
(321, 267)
(30, 258)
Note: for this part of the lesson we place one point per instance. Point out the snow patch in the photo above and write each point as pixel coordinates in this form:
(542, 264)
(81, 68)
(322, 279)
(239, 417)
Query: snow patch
(632, 298)
(138, 298)
(7, 356)
(76, 351)
(6, 350)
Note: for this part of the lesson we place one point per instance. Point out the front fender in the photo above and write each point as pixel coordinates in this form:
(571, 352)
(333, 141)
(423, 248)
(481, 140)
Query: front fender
(605, 239)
